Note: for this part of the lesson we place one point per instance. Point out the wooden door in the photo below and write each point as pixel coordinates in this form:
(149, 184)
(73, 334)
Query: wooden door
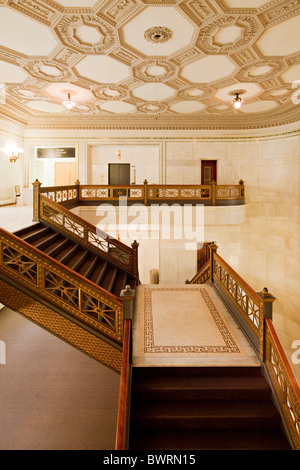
(64, 173)
(208, 171)
(119, 173)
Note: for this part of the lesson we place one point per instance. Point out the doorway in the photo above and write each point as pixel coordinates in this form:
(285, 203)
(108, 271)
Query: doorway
(118, 173)
(208, 171)
(64, 173)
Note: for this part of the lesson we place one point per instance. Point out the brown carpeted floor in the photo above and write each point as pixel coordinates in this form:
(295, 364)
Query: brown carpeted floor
(52, 396)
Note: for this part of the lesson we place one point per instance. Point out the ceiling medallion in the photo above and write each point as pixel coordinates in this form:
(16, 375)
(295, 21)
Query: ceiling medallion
(158, 34)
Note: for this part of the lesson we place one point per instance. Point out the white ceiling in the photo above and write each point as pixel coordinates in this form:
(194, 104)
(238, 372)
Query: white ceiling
(150, 62)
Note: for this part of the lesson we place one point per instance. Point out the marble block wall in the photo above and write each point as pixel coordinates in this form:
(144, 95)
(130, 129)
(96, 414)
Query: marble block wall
(265, 248)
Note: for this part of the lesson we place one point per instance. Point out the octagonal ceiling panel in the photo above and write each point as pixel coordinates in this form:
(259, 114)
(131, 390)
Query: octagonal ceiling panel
(247, 90)
(10, 73)
(46, 107)
(187, 107)
(154, 92)
(23, 34)
(149, 58)
(282, 39)
(118, 107)
(103, 69)
(60, 92)
(159, 31)
(258, 107)
(209, 69)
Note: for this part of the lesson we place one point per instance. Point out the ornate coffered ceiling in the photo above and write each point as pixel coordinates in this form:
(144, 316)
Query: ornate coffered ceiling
(150, 63)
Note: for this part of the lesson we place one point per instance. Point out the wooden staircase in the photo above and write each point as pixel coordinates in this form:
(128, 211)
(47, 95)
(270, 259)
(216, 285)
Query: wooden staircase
(204, 408)
(77, 257)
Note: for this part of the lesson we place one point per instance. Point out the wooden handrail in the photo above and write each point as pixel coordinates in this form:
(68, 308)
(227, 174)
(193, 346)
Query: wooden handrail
(241, 280)
(284, 383)
(124, 393)
(45, 262)
(289, 372)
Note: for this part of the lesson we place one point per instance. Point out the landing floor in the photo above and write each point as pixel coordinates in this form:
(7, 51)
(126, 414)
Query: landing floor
(186, 325)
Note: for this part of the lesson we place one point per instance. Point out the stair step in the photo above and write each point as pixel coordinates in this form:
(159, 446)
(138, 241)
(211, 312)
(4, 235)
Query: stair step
(204, 414)
(119, 283)
(109, 278)
(55, 248)
(210, 439)
(43, 242)
(88, 266)
(32, 234)
(64, 256)
(202, 384)
(77, 259)
(98, 272)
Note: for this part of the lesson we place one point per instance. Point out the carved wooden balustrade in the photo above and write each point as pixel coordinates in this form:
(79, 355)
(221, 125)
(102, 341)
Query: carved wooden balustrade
(253, 311)
(45, 278)
(147, 194)
(72, 225)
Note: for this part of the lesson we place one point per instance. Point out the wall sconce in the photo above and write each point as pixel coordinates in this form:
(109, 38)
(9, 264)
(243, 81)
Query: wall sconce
(118, 154)
(14, 157)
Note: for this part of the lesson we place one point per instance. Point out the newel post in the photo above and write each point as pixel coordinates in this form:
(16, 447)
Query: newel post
(36, 200)
(213, 192)
(266, 311)
(128, 296)
(135, 260)
(77, 183)
(145, 192)
(213, 249)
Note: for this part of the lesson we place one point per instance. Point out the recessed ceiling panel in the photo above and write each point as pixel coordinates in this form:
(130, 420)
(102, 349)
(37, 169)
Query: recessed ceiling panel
(154, 92)
(282, 39)
(20, 33)
(103, 69)
(258, 107)
(118, 107)
(159, 31)
(209, 69)
(10, 73)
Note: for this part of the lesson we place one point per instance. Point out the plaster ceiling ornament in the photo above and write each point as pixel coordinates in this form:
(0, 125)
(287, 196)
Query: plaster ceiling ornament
(148, 63)
(87, 34)
(158, 34)
(155, 70)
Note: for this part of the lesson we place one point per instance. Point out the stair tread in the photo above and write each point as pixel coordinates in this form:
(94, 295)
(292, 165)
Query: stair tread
(210, 439)
(208, 408)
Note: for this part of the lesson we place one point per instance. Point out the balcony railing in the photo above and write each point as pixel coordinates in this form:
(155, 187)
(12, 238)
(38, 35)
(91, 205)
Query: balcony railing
(147, 194)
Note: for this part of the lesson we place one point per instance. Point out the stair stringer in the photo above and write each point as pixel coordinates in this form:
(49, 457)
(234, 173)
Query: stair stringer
(60, 326)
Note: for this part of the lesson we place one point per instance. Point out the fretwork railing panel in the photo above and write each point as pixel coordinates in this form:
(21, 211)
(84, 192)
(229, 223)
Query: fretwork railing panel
(283, 379)
(111, 193)
(244, 298)
(178, 192)
(81, 230)
(61, 194)
(63, 288)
